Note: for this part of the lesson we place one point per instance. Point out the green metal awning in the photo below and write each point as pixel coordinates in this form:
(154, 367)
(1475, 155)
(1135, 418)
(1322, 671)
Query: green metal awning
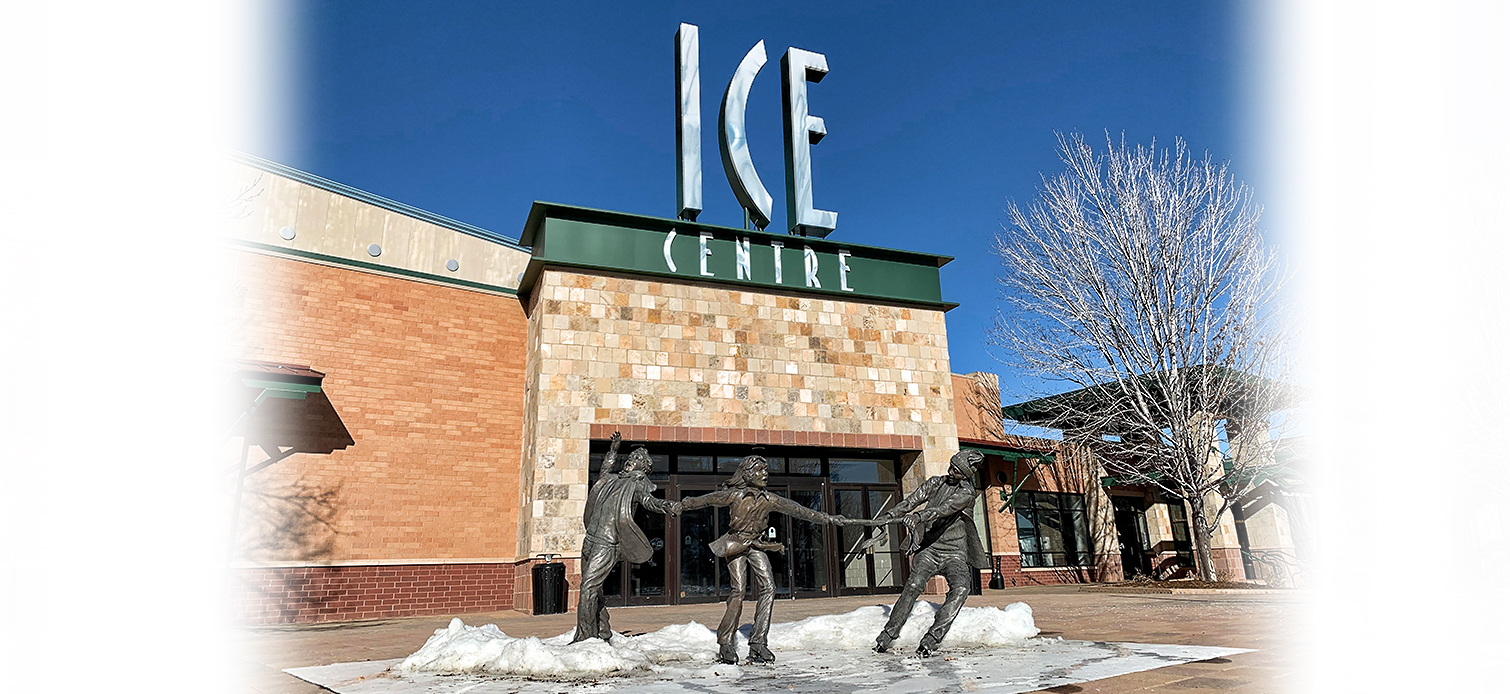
(1007, 452)
(1063, 411)
(1126, 480)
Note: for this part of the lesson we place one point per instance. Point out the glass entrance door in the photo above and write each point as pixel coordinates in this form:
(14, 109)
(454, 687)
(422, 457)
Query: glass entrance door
(1132, 535)
(807, 556)
(642, 584)
(698, 570)
(865, 567)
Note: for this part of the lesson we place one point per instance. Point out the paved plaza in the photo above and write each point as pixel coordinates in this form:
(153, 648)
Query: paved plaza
(1263, 621)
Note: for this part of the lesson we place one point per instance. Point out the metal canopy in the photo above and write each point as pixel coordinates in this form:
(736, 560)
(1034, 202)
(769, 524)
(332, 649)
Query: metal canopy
(286, 412)
(286, 408)
(1006, 452)
(1050, 411)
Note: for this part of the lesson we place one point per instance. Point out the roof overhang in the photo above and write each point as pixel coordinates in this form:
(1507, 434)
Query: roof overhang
(1056, 411)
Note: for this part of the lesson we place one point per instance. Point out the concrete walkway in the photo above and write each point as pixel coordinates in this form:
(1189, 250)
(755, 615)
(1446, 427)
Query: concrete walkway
(1266, 622)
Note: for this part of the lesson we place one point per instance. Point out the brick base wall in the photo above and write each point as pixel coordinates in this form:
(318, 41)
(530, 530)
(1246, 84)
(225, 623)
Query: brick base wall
(334, 593)
(1228, 562)
(1015, 575)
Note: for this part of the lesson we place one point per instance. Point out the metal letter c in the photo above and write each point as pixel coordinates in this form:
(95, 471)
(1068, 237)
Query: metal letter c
(733, 144)
(666, 249)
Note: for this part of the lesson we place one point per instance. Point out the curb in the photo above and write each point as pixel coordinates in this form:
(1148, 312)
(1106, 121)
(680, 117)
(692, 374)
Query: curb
(1196, 591)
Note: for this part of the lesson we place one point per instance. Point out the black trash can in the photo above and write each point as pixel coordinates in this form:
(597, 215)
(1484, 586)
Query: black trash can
(998, 581)
(549, 587)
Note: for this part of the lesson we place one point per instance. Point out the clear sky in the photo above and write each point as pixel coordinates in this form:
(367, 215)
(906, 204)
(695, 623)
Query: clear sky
(937, 113)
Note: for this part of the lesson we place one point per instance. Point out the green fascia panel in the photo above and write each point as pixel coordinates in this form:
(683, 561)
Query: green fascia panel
(1119, 480)
(1043, 411)
(595, 239)
(1009, 453)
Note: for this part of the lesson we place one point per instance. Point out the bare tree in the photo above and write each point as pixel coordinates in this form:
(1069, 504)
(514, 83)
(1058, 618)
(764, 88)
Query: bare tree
(1140, 278)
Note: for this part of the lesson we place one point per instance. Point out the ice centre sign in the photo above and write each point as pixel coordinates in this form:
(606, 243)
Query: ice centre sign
(801, 131)
(802, 260)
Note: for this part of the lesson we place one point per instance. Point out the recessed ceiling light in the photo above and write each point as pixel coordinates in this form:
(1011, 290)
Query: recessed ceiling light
(374, 250)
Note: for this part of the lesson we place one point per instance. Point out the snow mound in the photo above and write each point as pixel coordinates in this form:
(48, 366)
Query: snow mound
(691, 649)
(486, 650)
(973, 627)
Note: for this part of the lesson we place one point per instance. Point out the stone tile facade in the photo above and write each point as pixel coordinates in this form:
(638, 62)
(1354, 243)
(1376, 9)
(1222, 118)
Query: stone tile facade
(607, 349)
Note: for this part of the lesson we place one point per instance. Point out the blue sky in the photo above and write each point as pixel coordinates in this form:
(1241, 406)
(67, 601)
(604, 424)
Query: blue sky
(937, 115)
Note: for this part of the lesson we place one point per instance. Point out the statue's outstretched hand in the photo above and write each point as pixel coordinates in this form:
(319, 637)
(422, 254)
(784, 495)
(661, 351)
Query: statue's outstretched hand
(675, 508)
(914, 539)
(616, 438)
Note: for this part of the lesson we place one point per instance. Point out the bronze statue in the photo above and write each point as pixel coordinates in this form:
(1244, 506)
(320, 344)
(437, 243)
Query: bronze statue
(612, 533)
(750, 507)
(942, 540)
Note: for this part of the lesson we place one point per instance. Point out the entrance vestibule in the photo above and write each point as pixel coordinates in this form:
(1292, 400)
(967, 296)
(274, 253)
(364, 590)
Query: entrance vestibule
(819, 561)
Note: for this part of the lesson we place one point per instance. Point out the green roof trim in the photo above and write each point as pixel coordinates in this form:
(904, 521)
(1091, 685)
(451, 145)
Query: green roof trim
(1127, 480)
(282, 389)
(1008, 453)
(1046, 411)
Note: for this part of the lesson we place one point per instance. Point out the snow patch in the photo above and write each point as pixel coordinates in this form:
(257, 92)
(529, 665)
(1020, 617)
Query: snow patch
(973, 627)
(690, 650)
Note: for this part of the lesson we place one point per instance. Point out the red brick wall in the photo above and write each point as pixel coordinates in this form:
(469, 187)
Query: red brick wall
(428, 379)
(977, 409)
(331, 593)
(1015, 575)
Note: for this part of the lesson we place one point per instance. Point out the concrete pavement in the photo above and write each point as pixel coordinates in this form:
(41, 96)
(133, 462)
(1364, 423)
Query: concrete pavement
(1262, 621)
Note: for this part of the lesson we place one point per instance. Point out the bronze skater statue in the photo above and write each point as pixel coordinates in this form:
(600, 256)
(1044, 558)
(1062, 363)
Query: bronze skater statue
(750, 507)
(942, 540)
(612, 533)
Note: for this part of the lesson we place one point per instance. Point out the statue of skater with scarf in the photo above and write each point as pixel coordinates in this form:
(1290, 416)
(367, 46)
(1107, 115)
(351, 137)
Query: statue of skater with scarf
(942, 541)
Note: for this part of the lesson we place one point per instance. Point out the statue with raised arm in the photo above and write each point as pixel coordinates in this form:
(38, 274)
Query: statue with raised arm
(941, 538)
(744, 551)
(612, 533)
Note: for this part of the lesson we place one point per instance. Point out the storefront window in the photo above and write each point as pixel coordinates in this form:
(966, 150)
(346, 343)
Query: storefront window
(856, 471)
(1052, 529)
(1179, 527)
(693, 464)
(809, 467)
(982, 528)
(660, 466)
